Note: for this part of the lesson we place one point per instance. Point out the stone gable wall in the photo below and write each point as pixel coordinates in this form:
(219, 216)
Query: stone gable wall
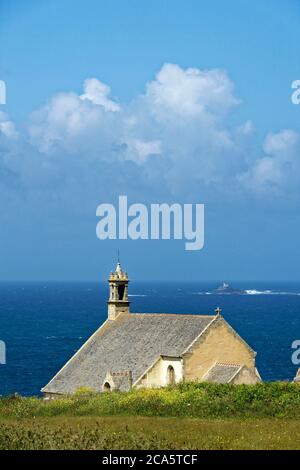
(219, 343)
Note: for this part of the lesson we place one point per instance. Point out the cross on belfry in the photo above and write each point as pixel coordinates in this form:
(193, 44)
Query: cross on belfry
(218, 311)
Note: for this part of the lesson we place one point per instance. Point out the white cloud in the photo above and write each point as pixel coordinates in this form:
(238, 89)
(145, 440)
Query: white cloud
(72, 124)
(246, 129)
(174, 140)
(266, 171)
(190, 93)
(139, 150)
(279, 168)
(283, 144)
(7, 127)
(186, 109)
(98, 93)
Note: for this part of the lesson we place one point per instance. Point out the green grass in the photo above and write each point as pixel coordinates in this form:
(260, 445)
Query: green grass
(188, 416)
(279, 400)
(111, 433)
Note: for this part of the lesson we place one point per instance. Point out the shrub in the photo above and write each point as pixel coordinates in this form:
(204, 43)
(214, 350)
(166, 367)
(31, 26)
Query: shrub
(84, 391)
(202, 400)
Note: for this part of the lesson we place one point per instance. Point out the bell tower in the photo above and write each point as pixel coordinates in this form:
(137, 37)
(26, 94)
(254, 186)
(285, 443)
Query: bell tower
(118, 293)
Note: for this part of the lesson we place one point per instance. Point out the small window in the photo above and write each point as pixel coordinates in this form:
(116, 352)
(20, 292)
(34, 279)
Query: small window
(121, 291)
(171, 375)
(106, 387)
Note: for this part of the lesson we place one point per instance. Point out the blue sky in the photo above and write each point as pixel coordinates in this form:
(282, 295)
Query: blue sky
(237, 150)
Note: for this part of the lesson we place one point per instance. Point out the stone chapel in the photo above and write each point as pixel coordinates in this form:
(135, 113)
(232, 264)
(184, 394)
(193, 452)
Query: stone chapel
(143, 350)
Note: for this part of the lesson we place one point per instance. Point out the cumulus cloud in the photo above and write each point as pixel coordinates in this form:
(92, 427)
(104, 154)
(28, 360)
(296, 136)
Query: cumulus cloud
(68, 122)
(284, 144)
(279, 167)
(139, 150)
(7, 127)
(190, 93)
(174, 141)
(98, 93)
(186, 111)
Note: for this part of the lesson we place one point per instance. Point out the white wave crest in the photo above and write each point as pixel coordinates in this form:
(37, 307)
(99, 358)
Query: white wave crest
(269, 292)
(137, 295)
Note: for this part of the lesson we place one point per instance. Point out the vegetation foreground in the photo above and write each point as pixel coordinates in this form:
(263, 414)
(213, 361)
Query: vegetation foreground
(189, 416)
(111, 433)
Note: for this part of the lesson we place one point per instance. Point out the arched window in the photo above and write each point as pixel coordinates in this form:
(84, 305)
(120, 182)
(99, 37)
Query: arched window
(171, 375)
(106, 387)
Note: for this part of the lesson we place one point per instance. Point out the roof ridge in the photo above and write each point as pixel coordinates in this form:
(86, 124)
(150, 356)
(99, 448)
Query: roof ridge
(229, 364)
(173, 314)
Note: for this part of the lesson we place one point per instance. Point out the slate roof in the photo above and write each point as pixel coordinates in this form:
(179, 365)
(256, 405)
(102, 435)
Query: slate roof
(222, 373)
(132, 342)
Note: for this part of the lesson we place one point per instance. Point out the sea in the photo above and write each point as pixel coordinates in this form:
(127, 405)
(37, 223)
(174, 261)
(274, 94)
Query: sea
(43, 323)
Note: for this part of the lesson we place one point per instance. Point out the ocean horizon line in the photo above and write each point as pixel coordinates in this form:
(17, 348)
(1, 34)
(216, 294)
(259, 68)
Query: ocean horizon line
(171, 281)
